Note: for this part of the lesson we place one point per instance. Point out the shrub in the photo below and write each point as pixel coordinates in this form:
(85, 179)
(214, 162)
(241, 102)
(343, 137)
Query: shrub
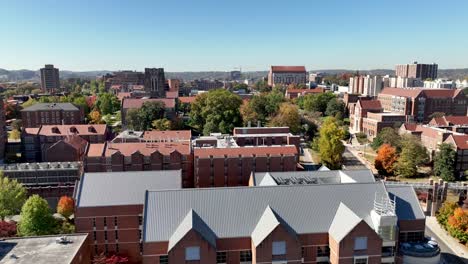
(446, 210)
(7, 229)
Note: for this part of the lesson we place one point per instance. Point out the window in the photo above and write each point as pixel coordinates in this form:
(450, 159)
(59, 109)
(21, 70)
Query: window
(192, 253)
(221, 257)
(360, 260)
(360, 243)
(279, 248)
(246, 256)
(164, 259)
(323, 251)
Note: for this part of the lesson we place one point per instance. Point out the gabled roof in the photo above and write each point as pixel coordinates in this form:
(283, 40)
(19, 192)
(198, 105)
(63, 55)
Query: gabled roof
(235, 211)
(192, 221)
(461, 141)
(370, 104)
(79, 129)
(450, 121)
(345, 221)
(145, 148)
(266, 224)
(288, 69)
(405, 209)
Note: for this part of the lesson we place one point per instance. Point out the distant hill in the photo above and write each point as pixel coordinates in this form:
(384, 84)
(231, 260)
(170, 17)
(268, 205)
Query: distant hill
(29, 75)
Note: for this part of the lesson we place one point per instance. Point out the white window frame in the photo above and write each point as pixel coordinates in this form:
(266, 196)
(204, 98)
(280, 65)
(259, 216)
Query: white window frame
(278, 248)
(361, 258)
(192, 253)
(359, 243)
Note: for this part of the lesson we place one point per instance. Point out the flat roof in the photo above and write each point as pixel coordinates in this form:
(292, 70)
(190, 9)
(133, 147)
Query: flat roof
(123, 188)
(52, 106)
(40, 250)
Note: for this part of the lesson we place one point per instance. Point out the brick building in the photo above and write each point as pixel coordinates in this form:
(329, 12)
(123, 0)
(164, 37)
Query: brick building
(145, 156)
(3, 132)
(453, 123)
(37, 141)
(421, 103)
(155, 82)
(133, 103)
(286, 75)
(431, 137)
(460, 144)
(265, 136)
(231, 166)
(359, 111)
(417, 70)
(315, 223)
(109, 207)
(51, 114)
(295, 93)
(375, 122)
(129, 136)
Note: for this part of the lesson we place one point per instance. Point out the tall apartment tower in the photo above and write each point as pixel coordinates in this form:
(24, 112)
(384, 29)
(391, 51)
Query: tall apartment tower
(417, 70)
(155, 82)
(3, 132)
(50, 81)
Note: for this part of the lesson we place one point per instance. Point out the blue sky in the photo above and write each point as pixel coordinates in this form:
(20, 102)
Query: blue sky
(197, 35)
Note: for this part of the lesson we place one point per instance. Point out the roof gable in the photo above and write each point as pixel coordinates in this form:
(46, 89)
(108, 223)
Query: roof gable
(192, 221)
(268, 222)
(345, 221)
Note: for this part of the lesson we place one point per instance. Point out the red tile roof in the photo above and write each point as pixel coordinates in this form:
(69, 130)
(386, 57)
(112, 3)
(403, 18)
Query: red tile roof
(172, 94)
(187, 99)
(370, 104)
(64, 130)
(288, 69)
(450, 121)
(123, 95)
(306, 91)
(245, 151)
(410, 126)
(137, 103)
(96, 150)
(415, 92)
(146, 149)
(171, 134)
(461, 141)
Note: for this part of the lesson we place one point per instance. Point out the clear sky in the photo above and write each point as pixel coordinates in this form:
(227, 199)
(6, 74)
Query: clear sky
(198, 35)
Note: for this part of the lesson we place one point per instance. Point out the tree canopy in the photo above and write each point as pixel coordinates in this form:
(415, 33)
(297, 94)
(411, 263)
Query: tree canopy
(12, 196)
(329, 143)
(389, 136)
(108, 103)
(386, 159)
(412, 155)
(36, 218)
(288, 116)
(444, 163)
(66, 206)
(216, 111)
(317, 102)
(335, 108)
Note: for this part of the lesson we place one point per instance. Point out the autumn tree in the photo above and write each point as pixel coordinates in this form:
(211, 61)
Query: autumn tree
(95, 117)
(457, 225)
(161, 124)
(385, 160)
(216, 111)
(288, 116)
(389, 136)
(444, 162)
(66, 206)
(445, 211)
(7, 229)
(12, 196)
(36, 218)
(412, 155)
(329, 143)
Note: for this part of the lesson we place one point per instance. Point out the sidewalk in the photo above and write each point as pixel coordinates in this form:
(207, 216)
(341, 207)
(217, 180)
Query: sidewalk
(457, 248)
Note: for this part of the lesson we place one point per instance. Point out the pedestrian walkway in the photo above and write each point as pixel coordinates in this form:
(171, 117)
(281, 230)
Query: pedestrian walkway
(459, 249)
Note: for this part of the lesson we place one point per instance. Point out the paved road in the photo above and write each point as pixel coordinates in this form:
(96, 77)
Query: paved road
(447, 256)
(351, 162)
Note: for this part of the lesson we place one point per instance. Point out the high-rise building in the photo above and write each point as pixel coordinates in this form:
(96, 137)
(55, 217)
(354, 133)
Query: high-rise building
(50, 81)
(155, 82)
(417, 70)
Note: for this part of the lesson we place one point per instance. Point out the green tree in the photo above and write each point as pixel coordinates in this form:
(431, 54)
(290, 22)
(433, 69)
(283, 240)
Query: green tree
(36, 218)
(108, 103)
(273, 102)
(12, 196)
(446, 210)
(149, 112)
(329, 143)
(317, 102)
(288, 116)
(162, 124)
(335, 107)
(15, 134)
(436, 115)
(262, 86)
(444, 163)
(240, 86)
(132, 119)
(216, 111)
(387, 135)
(412, 155)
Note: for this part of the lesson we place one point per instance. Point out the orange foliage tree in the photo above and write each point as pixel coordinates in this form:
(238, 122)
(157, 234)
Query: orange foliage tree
(66, 206)
(385, 160)
(457, 225)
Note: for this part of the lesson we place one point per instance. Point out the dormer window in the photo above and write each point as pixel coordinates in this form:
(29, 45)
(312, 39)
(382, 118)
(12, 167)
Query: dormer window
(55, 130)
(73, 130)
(91, 129)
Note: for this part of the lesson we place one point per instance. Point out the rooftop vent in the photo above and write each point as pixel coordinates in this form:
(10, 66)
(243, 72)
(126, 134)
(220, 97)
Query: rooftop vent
(63, 240)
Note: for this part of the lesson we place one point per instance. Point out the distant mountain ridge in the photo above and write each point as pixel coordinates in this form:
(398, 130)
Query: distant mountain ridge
(30, 75)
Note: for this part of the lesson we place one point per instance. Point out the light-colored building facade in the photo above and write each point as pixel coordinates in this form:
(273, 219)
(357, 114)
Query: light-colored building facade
(417, 70)
(286, 75)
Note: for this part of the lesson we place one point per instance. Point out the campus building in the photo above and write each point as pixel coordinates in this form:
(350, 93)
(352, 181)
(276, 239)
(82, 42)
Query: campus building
(155, 82)
(360, 110)
(286, 75)
(417, 70)
(51, 114)
(295, 93)
(50, 79)
(454, 123)
(109, 207)
(135, 103)
(421, 103)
